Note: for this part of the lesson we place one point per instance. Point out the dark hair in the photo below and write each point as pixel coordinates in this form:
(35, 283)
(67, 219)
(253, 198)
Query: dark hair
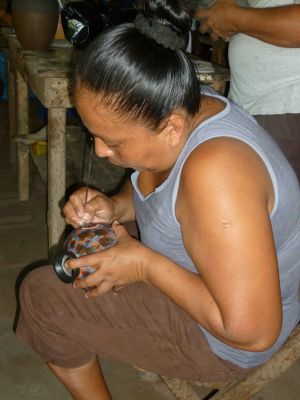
(138, 77)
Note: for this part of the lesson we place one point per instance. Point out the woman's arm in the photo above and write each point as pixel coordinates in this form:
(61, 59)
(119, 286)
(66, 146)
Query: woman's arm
(279, 26)
(223, 208)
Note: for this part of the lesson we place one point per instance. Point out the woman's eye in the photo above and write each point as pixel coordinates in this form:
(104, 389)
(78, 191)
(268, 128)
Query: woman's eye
(114, 146)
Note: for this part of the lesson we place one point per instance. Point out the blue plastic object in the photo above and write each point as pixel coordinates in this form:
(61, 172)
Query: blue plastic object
(3, 76)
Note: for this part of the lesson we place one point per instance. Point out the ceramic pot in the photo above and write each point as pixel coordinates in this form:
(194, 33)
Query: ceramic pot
(82, 241)
(35, 22)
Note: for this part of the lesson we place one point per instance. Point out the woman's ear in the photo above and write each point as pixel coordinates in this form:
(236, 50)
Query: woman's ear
(175, 129)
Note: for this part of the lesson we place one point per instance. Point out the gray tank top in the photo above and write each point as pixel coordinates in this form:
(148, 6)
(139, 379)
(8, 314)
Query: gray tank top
(160, 229)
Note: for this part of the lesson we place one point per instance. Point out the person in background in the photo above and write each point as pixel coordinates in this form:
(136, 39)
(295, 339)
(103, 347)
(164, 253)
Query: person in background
(264, 59)
(212, 288)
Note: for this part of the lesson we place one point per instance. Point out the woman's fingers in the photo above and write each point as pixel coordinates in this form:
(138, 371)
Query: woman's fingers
(214, 37)
(99, 208)
(73, 209)
(71, 215)
(117, 289)
(120, 231)
(100, 290)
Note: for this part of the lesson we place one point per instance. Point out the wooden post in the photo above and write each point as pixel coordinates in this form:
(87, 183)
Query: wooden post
(12, 110)
(56, 175)
(22, 129)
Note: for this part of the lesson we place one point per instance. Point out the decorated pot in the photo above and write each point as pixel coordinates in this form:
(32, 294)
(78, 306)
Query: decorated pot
(82, 241)
(35, 22)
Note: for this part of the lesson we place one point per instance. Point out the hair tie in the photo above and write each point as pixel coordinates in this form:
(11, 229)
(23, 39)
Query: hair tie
(162, 34)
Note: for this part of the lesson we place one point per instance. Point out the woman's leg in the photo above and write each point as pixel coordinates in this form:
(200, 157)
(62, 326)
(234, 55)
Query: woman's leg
(83, 383)
(136, 326)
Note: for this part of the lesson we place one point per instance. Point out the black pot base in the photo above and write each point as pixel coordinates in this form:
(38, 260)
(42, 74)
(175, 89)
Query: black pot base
(65, 274)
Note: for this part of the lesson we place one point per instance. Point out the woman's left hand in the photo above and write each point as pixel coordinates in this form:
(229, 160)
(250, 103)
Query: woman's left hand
(115, 267)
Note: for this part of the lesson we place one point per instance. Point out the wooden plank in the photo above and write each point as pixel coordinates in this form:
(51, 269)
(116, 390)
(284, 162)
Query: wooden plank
(57, 93)
(51, 86)
(181, 389)
(22, 129)
(12, 110)
(56, 175)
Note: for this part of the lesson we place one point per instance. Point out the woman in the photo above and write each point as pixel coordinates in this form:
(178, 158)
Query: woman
(211, 289)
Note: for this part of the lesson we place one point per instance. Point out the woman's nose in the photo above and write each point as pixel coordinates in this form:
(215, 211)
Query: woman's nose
(102, 150)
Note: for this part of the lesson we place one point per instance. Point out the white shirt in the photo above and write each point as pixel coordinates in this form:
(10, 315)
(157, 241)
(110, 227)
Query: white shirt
(265, 79)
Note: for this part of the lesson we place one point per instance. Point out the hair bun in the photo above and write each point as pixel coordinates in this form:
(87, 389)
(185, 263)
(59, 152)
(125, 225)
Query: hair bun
(165, 35)
(165, 21)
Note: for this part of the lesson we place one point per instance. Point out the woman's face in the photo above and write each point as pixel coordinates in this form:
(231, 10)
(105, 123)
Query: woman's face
(129, 144)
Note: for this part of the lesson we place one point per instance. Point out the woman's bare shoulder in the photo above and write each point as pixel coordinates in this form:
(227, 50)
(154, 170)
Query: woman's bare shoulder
(224, 168)
(223, 160)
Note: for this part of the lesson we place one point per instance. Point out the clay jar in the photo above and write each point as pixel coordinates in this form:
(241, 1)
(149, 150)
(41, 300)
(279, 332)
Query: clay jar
(35, 22)
(85, 240)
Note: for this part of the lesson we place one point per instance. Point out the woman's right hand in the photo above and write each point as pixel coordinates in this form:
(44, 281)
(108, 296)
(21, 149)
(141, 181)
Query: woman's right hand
(99, 208)
(218, 19)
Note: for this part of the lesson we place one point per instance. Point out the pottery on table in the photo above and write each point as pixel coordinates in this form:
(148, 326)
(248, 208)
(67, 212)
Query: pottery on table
(82, 241)
(35, 22)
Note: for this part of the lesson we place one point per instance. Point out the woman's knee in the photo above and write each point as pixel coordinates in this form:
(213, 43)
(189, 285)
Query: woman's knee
(36, 289)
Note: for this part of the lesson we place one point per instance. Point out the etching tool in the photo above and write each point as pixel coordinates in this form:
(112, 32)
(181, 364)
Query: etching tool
(83, 221)
(86, 239)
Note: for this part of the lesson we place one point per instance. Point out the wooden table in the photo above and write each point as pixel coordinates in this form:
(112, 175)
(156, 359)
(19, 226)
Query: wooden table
(47, 74)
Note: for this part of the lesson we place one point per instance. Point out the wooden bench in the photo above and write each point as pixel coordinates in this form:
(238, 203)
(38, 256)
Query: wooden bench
(243, 388)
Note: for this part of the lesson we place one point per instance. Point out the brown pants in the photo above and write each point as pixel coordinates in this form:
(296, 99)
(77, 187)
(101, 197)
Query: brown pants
(138, 326)
(285, 129)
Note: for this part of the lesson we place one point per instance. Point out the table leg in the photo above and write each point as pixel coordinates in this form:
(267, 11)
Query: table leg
(22, 129)
(12, 110)
(56, 175)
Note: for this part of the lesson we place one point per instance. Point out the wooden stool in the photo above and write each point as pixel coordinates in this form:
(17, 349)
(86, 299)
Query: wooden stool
(247, 386)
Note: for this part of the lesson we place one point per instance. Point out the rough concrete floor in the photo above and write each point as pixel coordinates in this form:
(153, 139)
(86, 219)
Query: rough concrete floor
(23, 244)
